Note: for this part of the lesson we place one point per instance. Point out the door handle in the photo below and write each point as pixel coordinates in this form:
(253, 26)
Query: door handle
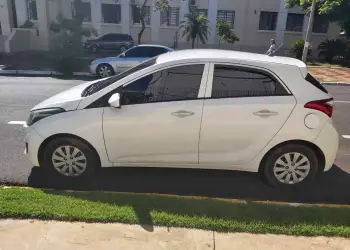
(182, 113)
(265, 113)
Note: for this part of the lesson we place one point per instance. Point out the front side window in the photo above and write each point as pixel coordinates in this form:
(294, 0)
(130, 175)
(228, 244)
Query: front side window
(227, 16)
(295, 22)
(111, 13)
(136, 14)
(268, 20)
(173, 84)
(31, 10)
(230, 81)
(170, 17)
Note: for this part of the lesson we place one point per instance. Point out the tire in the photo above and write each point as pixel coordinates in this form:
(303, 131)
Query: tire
(302, 168)
(60, 166)
(104, 70)
(123, 48)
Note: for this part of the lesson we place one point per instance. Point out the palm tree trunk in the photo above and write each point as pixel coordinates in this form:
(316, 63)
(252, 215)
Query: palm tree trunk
(142, 17)
(193, 40)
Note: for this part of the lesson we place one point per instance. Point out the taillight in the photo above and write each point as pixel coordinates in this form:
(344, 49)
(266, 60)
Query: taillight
(325, 106)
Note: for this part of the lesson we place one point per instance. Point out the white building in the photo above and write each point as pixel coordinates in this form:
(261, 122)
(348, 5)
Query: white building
(254, 21)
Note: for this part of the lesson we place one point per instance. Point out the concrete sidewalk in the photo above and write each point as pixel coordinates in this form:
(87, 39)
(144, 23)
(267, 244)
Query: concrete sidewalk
(41, 235)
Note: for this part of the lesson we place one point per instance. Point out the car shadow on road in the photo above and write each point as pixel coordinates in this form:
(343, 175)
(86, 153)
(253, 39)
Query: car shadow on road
(330, 187)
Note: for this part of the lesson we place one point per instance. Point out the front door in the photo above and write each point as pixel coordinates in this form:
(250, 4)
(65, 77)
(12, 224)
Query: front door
(159, 120)
(244, 110)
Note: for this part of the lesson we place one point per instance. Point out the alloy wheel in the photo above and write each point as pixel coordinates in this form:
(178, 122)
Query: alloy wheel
(104, 71)
(291, 168)
(69, 161)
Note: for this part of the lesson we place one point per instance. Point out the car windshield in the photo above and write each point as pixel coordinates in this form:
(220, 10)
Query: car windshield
(97, 86)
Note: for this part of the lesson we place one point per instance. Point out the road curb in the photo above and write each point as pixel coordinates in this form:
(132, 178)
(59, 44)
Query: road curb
(38, 73)
(236, 201)
(336, 83)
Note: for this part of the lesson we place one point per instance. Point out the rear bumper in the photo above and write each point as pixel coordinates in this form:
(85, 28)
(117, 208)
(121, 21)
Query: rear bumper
(328, 142)
(32, 141)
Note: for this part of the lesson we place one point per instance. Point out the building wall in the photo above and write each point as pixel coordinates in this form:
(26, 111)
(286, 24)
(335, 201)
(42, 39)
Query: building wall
(246, 22)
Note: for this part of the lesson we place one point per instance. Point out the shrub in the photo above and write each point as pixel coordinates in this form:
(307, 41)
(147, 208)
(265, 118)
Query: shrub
(331, 48)
(297, 49)
(65, 52)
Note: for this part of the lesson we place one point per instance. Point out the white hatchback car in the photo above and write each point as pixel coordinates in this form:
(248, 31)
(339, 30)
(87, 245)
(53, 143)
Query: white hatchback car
(210, 109)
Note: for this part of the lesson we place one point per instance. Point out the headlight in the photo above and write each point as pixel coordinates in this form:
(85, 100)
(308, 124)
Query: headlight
(93, 62)
(39, 114)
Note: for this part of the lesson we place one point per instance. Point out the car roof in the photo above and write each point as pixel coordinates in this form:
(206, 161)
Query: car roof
(154, 45)
(217, 55)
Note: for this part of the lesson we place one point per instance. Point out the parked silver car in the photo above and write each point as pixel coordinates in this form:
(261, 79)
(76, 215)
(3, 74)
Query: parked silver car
(108, 66)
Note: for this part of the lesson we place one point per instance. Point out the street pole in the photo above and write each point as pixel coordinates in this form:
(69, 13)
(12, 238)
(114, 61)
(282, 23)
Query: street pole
(309, 30)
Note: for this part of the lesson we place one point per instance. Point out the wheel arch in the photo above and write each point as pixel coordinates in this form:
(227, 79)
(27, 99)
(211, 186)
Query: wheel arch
(56, 136)
(320, 156)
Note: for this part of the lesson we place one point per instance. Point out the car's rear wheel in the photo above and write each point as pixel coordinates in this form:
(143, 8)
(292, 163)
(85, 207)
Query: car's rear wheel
(290, 165)
(70, 158)
(105, 70)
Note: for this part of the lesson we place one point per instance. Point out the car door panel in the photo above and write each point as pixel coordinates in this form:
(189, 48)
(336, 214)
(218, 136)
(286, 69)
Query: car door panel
(160, 117)
(150, 133)
(235, 130)
(244, 110)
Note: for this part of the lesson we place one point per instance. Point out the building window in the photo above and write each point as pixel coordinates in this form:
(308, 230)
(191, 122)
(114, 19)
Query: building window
(170, 17)
(321, 25)
(111, 13)
(268, 20)
(228, 16)
(203, 12)
(295, 22)
(136, 14)
(31, 10)
(82, 9)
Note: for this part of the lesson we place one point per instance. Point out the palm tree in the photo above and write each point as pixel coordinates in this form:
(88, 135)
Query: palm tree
(196, 25)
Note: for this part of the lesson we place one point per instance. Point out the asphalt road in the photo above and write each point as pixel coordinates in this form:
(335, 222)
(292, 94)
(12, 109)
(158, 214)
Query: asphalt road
(19, 94)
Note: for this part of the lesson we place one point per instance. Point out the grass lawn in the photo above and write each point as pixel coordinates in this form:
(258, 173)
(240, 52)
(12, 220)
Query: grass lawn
(209, 214)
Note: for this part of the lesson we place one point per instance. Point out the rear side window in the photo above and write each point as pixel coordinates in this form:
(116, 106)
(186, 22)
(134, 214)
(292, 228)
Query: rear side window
(232, 81)
(315, 82)
(156, 51)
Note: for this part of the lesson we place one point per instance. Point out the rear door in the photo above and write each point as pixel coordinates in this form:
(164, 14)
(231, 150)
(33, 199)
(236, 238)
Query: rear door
(243, 110)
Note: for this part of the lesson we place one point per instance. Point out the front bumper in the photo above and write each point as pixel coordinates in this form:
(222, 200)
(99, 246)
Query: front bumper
(92, 69)
(32, 144)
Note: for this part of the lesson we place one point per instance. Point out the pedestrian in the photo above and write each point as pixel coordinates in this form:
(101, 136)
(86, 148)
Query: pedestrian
(272, 48)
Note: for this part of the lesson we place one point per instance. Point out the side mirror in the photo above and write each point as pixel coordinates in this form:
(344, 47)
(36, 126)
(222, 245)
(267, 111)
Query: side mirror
(122, 55)
(114, 100)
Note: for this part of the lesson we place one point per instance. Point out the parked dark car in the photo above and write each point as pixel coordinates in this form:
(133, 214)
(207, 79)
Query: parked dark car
(111, 41)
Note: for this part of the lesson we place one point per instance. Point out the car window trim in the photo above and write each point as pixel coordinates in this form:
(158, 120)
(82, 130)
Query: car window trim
(200, 96)
(208, 94)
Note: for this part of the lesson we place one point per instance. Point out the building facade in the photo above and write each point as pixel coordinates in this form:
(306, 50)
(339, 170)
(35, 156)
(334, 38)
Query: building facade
(254, 21)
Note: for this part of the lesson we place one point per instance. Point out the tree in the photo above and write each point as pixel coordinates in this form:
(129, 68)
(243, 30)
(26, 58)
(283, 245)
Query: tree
(140, 11)
(195, 25)
(225, 32)
(335, 10)
(66, 47)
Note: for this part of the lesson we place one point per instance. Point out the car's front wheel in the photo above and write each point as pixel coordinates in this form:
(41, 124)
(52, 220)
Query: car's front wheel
(105, 70)
(70, 158)
(290, 165)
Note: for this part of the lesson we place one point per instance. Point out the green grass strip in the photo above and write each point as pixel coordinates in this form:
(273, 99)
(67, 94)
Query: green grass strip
(158, 210)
